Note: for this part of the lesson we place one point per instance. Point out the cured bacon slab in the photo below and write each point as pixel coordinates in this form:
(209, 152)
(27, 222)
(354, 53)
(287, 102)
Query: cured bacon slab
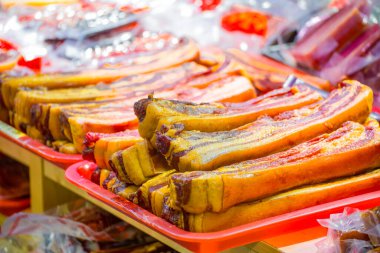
(100, 147)
(29, 104)
(153, 113)
(275, 205)
(137, 164)
(349, 150)
(114, 118)
(158, 198)
(146, 191)
(194, 150)
(103, 122)
(149, 195)
(184, 51)
(90, 145)
(37, 112)
(109, 181)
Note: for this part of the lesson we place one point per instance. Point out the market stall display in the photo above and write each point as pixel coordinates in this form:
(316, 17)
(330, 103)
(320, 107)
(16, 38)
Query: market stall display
(60, 116)
(217, 186)
(58, 105)
(195, 141)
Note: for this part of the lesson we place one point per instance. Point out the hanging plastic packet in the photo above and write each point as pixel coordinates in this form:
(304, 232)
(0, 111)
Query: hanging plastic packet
(338, 41)
(318, 41)
(352, 231)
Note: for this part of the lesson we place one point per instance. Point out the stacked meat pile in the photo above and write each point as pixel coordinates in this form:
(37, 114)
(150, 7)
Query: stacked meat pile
(60, 109)
(210, 166)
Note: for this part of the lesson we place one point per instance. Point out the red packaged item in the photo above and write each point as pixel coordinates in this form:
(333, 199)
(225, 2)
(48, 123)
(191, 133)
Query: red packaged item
(8, 55)
(206, 5)
(245, 20)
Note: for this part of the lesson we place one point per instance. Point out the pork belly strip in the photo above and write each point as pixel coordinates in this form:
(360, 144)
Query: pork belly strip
(104, 122)
(186, 50)
(137, 164)
(349, 150)
(158, 197)
(146, 191)
(91, 139)
(282, 203)
(100, 147)
(194, 150)
(149, 195)
(190, 74)
(119, 138)
(108, 180)
(28, 102)
(53, 120)
(110, 119)
(153, 113)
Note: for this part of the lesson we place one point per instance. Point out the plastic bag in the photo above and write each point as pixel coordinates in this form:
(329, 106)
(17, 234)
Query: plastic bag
(352, 231)
(74, 227)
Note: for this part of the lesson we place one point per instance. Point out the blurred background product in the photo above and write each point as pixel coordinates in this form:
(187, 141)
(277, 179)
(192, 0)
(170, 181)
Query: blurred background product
(14, 186)
(74, 227)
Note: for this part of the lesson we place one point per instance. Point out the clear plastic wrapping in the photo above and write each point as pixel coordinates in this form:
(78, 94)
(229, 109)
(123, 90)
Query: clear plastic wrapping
(352, 231)
(74, 227)
(336, 41)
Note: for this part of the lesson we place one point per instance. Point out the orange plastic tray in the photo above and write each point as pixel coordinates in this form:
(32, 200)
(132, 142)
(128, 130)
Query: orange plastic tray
(229, 238)
(36, 147)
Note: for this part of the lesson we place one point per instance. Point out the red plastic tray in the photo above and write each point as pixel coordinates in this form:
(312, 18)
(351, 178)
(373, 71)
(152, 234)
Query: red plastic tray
(36, 147)
(229, 238)
(11, 206)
